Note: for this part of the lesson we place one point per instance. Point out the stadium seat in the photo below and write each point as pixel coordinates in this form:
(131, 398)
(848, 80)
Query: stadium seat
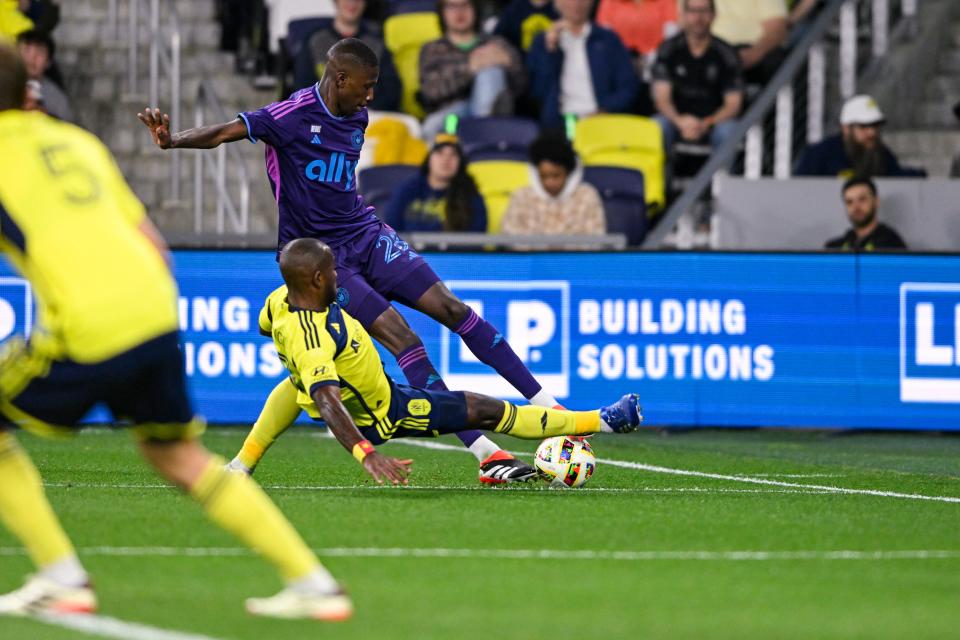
(624, 203)
(392, 138)
(397, 7)
(376, 184)
(297, 53)
(497, 180)
(283, 12)
(627, 141)
(497, 138)
(404, 35)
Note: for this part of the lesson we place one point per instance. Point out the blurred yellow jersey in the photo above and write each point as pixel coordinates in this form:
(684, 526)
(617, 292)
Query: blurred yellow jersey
(328, 348)
(68, 223)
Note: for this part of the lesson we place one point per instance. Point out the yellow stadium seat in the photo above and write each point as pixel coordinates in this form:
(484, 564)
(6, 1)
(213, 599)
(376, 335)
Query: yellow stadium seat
(390, 139)
(12, 22)
(404, 35)
(626, 141)
(497, 180)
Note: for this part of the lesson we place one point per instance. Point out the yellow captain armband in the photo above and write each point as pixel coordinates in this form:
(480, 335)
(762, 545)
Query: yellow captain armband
(362, 449)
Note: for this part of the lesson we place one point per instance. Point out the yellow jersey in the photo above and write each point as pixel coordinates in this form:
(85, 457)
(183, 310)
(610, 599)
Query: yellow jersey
(328, 347)
(68, 223)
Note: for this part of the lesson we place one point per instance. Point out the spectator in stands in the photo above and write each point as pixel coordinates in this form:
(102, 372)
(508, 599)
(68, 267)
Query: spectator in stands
(36, 48)
(522, 20)
(348, 22)
(858, 150)
(557, 201)
(443, 197)
(758, 29)
(579, 68)
(13, 19)
(868, 233)
(466, 73)
(641, 24)
(697, 81)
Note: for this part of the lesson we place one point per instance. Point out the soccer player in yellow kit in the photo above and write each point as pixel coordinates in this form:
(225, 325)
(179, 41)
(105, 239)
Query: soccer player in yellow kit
(107, 334)
(339, 376)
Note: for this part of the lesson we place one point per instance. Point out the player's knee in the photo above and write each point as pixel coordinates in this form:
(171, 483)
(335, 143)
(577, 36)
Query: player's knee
(483, 412)
(180, 462)
(393, 332)
(452, 311)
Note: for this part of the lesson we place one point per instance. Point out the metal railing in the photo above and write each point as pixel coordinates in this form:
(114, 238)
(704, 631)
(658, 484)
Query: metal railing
(163, 44)
(215, 162)
(792, 110)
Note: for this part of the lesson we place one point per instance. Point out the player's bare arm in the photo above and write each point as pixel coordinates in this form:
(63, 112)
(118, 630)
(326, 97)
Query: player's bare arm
(207, 137)
(341, 425)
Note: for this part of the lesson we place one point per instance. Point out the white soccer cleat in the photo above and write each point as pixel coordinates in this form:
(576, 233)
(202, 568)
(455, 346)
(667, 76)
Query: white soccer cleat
(291, 604)
(235, 466)
(42, 595)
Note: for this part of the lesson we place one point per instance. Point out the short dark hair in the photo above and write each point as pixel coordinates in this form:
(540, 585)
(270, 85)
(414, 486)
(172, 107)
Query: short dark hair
(476, 15)
(553, 147)
(13, 79)
(713, 5)
(354, 51)
(860, 180)
(36, 36)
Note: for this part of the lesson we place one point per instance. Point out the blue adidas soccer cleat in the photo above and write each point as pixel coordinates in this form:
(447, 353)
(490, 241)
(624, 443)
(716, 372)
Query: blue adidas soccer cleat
(625, 415)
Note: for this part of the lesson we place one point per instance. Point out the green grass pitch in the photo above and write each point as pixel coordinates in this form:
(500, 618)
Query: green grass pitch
(640, 553)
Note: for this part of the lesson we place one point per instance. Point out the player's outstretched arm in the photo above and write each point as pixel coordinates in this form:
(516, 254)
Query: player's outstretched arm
(341, 425)
(198, 138)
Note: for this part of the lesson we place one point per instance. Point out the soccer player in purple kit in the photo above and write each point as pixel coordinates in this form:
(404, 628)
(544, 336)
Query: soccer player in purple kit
(313, 143)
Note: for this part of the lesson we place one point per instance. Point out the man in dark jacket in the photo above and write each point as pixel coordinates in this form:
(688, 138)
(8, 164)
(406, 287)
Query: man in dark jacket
(858, 150)
(867, 233)
(578, 67)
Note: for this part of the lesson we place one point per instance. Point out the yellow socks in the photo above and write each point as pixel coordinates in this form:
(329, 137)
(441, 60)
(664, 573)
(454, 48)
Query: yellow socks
(531, 422)
(238, 505)
(278, 413)
(24, 507)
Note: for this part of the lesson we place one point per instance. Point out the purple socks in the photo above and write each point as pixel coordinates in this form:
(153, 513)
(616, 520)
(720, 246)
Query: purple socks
(488, 344)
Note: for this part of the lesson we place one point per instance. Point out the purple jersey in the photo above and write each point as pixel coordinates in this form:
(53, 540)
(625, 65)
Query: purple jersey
(311, 161)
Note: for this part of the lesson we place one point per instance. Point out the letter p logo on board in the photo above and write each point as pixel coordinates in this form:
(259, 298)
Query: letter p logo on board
(16, 307)
(534, 317)
(930, 342)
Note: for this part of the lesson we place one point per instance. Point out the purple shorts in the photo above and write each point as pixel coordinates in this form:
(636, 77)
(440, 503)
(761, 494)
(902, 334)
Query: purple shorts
(377, 267)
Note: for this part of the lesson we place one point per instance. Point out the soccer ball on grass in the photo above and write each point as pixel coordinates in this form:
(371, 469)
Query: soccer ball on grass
(565, 462)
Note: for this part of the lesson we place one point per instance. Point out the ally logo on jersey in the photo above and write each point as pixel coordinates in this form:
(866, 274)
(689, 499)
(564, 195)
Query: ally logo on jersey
(334, 169)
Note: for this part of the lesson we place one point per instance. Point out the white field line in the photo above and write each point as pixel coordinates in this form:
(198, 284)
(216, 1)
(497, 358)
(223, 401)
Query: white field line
(720, 476)
(525, 554)
(107, 627)
(367, 487)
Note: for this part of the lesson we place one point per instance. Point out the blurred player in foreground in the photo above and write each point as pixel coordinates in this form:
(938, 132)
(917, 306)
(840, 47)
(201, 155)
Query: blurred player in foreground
(313, 144)
(107, 334)
(339, 376)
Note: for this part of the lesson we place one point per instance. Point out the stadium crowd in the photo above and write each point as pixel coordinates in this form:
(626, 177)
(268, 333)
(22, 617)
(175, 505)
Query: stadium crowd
(530, 67)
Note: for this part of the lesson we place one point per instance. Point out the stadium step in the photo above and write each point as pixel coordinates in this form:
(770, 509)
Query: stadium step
(94, 61)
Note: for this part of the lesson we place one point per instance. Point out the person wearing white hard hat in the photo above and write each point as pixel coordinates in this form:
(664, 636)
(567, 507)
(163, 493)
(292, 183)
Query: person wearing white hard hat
(858, 149)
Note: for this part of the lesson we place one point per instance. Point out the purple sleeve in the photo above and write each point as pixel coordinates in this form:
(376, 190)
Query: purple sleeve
(261, 125)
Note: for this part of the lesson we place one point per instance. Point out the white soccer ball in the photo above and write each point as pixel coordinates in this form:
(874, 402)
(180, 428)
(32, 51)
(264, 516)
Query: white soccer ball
(565, 462)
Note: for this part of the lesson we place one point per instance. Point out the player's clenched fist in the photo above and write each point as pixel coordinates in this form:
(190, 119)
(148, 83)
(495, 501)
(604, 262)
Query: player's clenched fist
(159, 125)
(382, 468)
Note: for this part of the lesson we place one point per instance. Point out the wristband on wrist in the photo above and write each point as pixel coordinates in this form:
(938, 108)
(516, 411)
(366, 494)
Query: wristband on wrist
(362, 449)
